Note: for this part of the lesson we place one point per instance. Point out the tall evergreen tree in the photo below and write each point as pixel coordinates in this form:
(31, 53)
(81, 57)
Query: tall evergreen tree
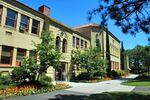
(108, 53)
(122, 56)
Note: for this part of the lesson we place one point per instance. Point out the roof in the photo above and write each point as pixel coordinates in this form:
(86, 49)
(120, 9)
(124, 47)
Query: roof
(98, 26)
(44, 16)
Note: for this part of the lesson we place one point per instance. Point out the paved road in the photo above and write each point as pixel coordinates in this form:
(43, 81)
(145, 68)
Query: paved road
(81, 90)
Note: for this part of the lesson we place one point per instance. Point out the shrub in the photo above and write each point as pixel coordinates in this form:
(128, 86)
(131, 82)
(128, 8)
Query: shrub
(5, 80)
(26, 72)
(117, 73)
(84, 76)
(45, 80)
(101, 73)
(143, 76)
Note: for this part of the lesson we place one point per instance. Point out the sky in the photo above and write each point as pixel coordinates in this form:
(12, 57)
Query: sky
(74, 13)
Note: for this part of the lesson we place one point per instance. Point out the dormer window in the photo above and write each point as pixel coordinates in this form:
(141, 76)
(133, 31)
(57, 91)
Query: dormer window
(24, 24)
(11, 19)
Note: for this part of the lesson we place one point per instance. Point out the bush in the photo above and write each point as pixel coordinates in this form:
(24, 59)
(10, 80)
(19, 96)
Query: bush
(117, 73)
(45, 80)
(5, 80)
(143, 76)
(100, 73)
(84, 76)
(26, 72)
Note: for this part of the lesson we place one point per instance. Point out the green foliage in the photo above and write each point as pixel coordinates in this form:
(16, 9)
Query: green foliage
(48, 54)
(26, 72)
(139, 58)
(130, 15)
(84, 76)
(45, 80)
(117, 73)
(5, 79)
(143, 76)
(100, 73)
(89, 59)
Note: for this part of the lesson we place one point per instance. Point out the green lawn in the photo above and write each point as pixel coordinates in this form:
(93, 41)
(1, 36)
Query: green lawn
(137, 83)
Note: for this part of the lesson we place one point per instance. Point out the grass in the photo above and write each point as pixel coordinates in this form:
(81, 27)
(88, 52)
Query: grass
(137, 83)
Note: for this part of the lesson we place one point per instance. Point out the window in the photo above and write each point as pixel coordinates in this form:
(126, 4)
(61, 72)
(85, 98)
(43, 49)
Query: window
(35, 26)
(85, 44)
(7, 54)
(58, 42)
(74, 41)
(97, 43)
(11, 19)
(77, 42)
(24, 24)
(20, 54)
(1, 11)
(81, 43)
(64, 47)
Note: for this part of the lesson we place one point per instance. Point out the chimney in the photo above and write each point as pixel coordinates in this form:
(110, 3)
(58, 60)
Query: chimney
(45, 10)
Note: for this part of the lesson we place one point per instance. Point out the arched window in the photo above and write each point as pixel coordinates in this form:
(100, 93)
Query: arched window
(64, 46)
(58, 42)
(97, 41)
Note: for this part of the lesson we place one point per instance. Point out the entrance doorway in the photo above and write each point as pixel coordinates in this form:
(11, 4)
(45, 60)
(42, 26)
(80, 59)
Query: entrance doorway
(60, 74)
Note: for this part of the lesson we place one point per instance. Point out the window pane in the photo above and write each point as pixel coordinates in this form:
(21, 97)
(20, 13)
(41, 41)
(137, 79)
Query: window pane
(64, 48)
(81, 43)
(6, 57)
(74, 41)
(11, 18)
(20, 54)
(35, 26)
(24, 24)
(85, 44)
(1, 10)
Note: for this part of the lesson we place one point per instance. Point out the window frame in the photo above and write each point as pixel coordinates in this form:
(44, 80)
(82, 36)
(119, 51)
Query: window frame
(35, 27)
(26, 29)
(64, 46)
(1, 13)
(9, 18)
(10, 56)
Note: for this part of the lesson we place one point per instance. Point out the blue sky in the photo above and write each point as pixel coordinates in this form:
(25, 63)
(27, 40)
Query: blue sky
(74, 12)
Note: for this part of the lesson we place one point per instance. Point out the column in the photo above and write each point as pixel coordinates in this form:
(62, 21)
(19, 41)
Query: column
(18, 21)
(14, 57)
(0, 52)
(61, 44)
(30, 25)
(27, 53)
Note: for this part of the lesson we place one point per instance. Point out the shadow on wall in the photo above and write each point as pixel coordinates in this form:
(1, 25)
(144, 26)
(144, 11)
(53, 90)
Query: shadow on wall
(106, 96)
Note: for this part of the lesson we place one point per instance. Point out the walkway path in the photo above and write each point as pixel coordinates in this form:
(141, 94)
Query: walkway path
(83, 89)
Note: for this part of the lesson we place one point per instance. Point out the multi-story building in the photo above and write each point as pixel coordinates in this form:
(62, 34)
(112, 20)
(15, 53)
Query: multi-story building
(98, 38)
(21, 27)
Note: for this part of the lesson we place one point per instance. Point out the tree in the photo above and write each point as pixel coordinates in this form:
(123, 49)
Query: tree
(131, 15)
(90, 59)
(48, 54)
(122, 57)
(139, 58)
(108, 55)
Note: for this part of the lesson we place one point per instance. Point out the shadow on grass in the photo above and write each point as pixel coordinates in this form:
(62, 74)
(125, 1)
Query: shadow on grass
(106, 96)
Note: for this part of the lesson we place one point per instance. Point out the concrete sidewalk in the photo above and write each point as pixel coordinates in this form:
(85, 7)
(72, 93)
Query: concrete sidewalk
(105, 86)
(81, 90)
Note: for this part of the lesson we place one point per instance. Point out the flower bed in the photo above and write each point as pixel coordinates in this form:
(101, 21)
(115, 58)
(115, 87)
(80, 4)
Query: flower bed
(29, 90)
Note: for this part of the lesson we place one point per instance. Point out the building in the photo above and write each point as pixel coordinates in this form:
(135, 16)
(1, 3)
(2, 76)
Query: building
(21, 25)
